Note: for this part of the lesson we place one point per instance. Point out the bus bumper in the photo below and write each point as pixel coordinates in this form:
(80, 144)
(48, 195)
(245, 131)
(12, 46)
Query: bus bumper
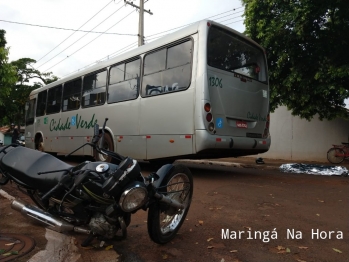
(229, 145)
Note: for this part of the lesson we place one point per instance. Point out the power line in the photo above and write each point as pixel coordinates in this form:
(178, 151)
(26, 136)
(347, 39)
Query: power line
(229, 18)
(107, 57)
(89, 42)
(74, 32)
(199, 20)
(153, 38)
(235, 22)
(124, 49)
(67, 29)
(230, 15)
(80, 38)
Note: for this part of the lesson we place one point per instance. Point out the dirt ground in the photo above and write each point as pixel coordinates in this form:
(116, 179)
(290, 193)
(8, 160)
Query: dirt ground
(264, 206)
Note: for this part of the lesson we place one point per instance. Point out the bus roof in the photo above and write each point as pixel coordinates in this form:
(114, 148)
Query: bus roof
(177, 35)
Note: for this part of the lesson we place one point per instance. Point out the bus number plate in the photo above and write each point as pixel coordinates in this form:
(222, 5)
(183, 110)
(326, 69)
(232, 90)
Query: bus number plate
(241, 124)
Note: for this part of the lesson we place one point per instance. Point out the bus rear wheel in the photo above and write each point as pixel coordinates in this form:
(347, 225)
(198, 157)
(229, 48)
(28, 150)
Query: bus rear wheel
(107, 144)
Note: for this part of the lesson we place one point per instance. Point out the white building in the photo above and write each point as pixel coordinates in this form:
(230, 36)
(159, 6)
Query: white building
(293, 138)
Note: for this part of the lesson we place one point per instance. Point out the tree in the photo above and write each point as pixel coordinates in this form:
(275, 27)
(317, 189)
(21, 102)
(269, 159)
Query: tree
(8, 74)
(16, 83)
(307, 50)
(13, 109)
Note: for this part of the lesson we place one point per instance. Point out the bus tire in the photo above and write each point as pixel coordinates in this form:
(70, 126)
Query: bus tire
(107, 144)
(39, 145)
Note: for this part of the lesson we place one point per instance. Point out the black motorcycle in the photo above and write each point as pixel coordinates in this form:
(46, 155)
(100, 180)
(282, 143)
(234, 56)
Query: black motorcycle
(98, 198)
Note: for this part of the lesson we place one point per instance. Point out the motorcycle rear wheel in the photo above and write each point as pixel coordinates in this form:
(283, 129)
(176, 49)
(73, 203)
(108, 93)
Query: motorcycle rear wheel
(164, 221)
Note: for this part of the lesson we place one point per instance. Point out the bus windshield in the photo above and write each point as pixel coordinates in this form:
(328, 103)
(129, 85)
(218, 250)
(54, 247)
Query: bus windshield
(232, 53)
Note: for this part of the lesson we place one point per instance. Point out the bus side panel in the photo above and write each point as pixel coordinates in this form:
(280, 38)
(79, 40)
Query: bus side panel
(124, 121)
(165, 117)
(159, 146)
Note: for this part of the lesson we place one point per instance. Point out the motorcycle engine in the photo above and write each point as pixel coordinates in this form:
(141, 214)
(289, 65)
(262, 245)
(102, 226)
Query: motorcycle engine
(100, 225)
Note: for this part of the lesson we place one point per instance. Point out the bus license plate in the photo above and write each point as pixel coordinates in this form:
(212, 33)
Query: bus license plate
(241, 124)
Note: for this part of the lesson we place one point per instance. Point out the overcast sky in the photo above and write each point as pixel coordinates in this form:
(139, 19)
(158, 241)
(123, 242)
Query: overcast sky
(74, 54)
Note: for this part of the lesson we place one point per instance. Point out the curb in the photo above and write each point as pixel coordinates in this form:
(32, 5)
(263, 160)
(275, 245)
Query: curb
(226, 164)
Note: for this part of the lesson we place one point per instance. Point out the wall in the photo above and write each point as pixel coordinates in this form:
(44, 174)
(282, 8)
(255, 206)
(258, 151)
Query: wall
(293, 138)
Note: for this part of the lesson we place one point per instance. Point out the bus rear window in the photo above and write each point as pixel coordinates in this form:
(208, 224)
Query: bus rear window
(232, 53)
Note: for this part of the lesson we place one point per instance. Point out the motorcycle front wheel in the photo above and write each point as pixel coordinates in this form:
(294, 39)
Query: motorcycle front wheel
(165, 221)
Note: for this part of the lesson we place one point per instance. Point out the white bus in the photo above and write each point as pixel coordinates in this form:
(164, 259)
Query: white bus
(201, 92)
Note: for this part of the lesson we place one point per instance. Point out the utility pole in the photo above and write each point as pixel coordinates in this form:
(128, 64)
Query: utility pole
(141, 20)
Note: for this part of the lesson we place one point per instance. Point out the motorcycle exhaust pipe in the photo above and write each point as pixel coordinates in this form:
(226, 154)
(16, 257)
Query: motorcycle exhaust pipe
(38, 214)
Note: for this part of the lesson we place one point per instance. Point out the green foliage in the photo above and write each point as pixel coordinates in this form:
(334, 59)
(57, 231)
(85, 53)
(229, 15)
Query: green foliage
(17, 81)
(307, 49)
(8, 74)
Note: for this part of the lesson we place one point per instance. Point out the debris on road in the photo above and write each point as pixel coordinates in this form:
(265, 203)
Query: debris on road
(314, 169)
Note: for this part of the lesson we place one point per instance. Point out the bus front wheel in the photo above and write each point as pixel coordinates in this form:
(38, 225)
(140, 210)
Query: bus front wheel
(107, 144)
(39, 145)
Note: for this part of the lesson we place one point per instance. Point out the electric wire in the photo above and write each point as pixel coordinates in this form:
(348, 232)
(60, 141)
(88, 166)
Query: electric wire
(89, 42)
(229, 19)
(66, 29)
(81, 38)
(235, 22)
(124, 49)
(75, 31)
(198, 20)
(149, 38)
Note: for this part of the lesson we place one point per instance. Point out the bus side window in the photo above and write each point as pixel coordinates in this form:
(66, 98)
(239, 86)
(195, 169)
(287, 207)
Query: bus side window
(71, 95)
(124, 82)
(175, 74)
(94, 88)
(54, 98)
(41, 104)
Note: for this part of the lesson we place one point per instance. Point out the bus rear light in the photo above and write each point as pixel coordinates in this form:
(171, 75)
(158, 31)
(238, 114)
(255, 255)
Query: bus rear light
(211, 127)
(208, 24)
(207, 107)
(218, 139)
(209, 117)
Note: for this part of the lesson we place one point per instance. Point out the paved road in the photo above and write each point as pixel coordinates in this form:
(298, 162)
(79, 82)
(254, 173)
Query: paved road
(260, 211)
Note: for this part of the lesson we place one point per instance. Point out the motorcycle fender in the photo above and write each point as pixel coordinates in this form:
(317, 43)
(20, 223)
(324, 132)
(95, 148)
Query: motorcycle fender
(162, 172)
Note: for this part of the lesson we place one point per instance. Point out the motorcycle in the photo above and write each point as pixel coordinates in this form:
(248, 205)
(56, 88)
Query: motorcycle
(97, 198)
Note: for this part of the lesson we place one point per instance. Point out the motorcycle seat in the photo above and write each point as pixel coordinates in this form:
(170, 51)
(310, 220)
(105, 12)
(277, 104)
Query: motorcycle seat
(23, 165)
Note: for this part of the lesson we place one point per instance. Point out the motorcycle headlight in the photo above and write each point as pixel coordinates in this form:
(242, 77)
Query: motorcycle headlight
(134, 197)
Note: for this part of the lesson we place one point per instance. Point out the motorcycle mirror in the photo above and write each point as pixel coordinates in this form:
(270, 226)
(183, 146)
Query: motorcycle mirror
(96, 130)
(102, 138)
